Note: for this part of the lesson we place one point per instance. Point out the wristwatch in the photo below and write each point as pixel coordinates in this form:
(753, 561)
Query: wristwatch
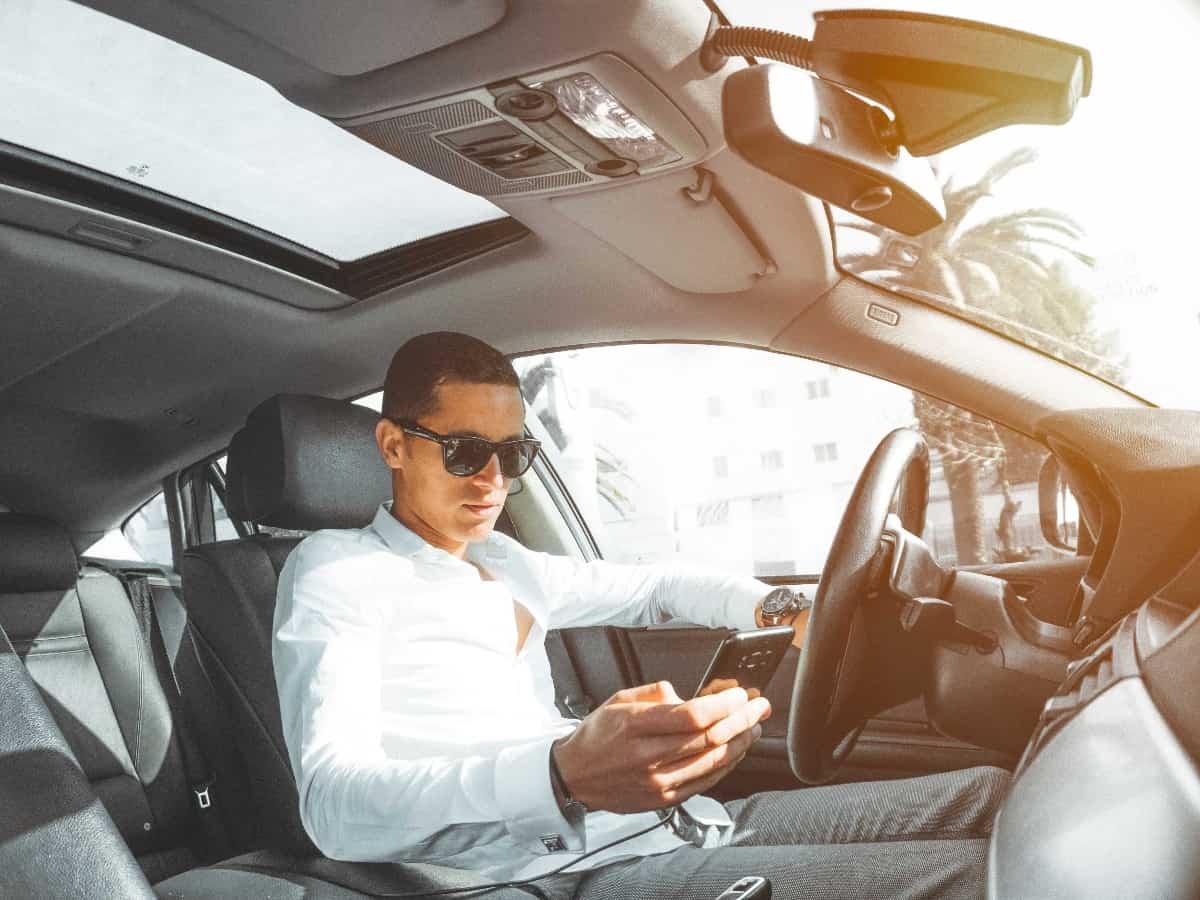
(573, 810)
(782, 605)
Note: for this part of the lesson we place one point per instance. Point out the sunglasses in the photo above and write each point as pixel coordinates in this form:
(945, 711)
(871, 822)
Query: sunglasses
(463, 456)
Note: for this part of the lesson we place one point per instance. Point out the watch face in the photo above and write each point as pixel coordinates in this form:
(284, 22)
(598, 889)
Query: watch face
(778, 601)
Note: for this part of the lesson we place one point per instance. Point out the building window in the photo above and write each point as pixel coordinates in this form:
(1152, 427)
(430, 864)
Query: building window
(769, 506)
(710, 514)
(721, 466)
(824, 453)
(764, 397)
(772, 460)
(818, 390)
(714, 405)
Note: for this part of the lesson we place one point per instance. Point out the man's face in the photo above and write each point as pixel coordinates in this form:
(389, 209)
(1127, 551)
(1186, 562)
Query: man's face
(446, 510)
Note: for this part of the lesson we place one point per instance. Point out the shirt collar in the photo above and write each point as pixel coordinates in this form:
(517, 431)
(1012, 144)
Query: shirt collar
(403, 541)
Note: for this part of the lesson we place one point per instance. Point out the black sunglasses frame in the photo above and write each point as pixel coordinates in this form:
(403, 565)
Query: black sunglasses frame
(495, 448)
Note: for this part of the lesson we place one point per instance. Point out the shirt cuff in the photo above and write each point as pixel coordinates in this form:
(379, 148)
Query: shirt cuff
(526, 801)
(743, 611)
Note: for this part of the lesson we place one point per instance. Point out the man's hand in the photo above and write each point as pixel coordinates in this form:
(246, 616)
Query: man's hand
(645, 748)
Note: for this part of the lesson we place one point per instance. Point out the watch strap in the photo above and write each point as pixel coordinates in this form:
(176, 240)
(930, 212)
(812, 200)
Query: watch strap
(571, 808)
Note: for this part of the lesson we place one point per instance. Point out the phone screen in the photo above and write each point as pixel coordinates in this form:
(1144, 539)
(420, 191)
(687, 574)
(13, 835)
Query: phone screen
(747, 660)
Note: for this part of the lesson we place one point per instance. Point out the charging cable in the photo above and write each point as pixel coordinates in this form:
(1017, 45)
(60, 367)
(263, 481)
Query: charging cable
(664, 817)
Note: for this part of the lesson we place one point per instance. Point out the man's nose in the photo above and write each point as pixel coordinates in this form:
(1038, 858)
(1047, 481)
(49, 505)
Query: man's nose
(491, 472)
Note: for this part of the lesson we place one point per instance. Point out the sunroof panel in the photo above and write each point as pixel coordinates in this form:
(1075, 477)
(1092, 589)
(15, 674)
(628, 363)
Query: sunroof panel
(96, 91)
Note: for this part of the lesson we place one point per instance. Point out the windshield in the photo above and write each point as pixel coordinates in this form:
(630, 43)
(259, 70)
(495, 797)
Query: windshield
(1071, 238)
(93, 90)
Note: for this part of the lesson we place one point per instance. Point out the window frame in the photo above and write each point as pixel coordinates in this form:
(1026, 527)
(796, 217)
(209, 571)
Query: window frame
(834, 368)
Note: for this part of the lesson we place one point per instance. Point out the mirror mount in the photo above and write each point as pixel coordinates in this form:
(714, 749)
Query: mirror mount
(829, 143)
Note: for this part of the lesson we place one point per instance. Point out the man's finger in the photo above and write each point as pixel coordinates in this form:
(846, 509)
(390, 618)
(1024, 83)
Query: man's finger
(739, 721)
(697, 714)
(699, 774)
(700, 765)
(656, 692)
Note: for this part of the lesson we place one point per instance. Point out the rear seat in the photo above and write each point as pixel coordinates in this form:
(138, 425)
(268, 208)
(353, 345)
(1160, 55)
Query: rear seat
(55, 838)
(82, 646)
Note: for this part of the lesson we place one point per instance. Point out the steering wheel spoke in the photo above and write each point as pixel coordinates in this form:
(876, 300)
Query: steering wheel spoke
(833, 694)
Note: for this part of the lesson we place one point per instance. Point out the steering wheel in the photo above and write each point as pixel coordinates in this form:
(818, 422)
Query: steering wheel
(824, 721)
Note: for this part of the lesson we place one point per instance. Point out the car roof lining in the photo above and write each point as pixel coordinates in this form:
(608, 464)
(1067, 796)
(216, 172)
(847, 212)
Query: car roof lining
(124, 369)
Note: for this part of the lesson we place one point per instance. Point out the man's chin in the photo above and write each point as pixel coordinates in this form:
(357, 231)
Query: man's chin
(477, 524)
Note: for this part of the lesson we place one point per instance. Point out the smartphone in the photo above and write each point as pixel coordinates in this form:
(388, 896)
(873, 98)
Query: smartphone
(747, 660)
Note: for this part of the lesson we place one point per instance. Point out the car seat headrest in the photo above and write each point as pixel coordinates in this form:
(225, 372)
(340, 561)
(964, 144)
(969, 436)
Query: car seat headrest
(305, 463)
(35, 555)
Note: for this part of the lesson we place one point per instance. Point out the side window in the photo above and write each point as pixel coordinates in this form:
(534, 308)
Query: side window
(745, 459)
(148, 532)
(221, 522)
(145, 537)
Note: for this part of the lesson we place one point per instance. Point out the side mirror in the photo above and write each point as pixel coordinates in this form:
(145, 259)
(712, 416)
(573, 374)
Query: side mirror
(1057, 509)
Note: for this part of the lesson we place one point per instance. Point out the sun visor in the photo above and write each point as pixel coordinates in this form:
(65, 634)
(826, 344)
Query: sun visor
(678, 226)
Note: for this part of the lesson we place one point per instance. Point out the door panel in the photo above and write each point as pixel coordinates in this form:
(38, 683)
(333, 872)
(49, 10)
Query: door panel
(1048, 585)
(898, 743)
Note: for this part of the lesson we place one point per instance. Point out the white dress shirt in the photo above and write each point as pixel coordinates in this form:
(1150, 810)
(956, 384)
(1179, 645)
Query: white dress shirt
(416, 731)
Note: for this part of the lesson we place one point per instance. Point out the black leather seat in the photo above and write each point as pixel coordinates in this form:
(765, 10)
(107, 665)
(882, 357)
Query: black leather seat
(56, 841)
(300, 463)
(81, 643)
(94, 800)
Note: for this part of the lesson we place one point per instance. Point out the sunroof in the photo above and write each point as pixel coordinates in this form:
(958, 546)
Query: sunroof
(96, 91)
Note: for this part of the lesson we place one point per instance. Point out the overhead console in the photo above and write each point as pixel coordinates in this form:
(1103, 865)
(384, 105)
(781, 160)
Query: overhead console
(594, 123)
(581, 124)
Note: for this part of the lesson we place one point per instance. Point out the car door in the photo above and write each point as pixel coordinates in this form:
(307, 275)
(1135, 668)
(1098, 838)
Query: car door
(743, 460)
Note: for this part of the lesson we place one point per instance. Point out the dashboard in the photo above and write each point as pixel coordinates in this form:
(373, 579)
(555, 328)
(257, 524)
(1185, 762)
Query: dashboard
(1105, 801)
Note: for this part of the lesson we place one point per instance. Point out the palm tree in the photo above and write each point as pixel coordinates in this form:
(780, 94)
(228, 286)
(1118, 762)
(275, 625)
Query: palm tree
(613, 480)
(1013, 268)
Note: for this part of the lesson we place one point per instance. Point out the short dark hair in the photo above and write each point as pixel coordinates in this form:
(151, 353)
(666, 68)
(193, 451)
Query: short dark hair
(424, 362)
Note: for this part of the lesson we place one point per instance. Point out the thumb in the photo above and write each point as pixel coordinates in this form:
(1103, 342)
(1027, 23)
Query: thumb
(657, 692)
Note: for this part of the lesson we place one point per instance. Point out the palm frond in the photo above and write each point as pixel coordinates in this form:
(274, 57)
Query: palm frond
(1000, 169)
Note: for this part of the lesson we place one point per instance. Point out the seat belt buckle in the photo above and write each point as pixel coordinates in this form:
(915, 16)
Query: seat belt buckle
(201, 792)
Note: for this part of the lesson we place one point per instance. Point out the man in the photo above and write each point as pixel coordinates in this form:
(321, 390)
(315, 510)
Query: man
(419, 711)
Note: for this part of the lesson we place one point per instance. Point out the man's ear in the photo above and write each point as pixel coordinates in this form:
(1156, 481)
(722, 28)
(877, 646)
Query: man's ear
(390, 439)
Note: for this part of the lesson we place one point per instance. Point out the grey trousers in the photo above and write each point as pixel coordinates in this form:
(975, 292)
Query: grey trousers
(912, 838)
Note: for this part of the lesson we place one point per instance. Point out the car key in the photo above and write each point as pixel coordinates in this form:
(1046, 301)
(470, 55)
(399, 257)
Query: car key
(751, 887)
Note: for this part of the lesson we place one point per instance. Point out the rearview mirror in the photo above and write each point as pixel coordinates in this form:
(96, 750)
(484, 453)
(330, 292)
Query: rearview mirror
(829, 143)
(947, 80)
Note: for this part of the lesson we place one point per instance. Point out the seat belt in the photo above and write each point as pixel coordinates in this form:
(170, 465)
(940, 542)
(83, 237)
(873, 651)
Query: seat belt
(569, 696)
(201, 777)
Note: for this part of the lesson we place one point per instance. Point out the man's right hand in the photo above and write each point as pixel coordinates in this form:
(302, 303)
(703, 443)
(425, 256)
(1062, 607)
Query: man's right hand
(645, 748)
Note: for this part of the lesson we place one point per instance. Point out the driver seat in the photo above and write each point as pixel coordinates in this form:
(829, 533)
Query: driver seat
(300, 463)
